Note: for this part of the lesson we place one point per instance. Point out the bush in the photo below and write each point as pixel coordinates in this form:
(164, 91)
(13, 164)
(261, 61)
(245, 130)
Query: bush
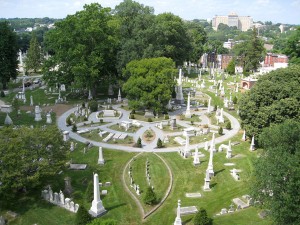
(100, 221)
(74, 128)
(150, 120)
(201, 218)
(159, 143)
(2, 95)
(205, 103)
(93, 105)
(150, 197)
(215, 108)
(82, 216)
(68, 121)
(132, 116)
(167, 117)
(228, 125)
(132, 111)
(234, 100)
(85, 119)
(83, 105)
(220, 131)
(139, 143)
(101, 120)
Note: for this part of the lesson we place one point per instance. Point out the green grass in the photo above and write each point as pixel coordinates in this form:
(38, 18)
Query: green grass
(158, 173)
(132, 129)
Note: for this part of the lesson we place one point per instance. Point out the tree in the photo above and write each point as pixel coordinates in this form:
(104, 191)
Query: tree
(82, 216)
(273, 99)
(8, 54)
(74, 128)
(231, 67)
(159, 143)
(150, 83)
(250, 52)
(201, 218)
(228, 125)
(292, 48)
(34, 56)
(100, 221)
(84, 47)
(220, 131)
(198, 38)
(29, 155)
(171, 39)
(150, 197)
(139, 143)
(93, 106)
(276, 175)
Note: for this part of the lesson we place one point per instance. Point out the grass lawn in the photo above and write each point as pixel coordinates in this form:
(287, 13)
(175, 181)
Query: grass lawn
(116, 127)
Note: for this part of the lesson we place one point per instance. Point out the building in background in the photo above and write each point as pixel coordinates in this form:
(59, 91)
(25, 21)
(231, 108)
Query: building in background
(242, 23)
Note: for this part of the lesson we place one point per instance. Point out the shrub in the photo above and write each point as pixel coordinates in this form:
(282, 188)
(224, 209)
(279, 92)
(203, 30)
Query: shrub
(201, 218)
(101, 120)
(167, 117)
(234, 100)
(85, 119)
(68, 121)
(205, 103)
(220, 131)
(83, 105)
(132, 111)
(139, 143)
(228, 125)
(159, 143)
(132, 116)
(150, 197)
(74, 128)
(2, 95)
(150, 120)
(215, 108)
(93, 105)
(82, 216)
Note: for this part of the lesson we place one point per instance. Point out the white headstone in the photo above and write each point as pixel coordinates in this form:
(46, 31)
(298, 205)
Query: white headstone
(31, 100)
(196, 157)
(8, 120)
(252, 146)
(100, 159)
(244, 136)
(66, 135)
(97, 208)
(119, 96)
(37, 112)
(48, 120)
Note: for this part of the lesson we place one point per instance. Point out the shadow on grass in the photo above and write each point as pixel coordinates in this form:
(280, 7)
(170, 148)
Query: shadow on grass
(115, 206)
(219, 171)
(213, 185)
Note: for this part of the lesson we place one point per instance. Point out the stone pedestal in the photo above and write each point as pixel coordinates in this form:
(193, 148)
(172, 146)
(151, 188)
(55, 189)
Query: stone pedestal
(37, 112)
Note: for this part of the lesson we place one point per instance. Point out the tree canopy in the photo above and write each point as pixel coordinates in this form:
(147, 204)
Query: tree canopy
(27, 155)
(150, 83)
(292, 48)
(84, 47)
(34, 55)
(274, 98)
(276, 176)
(8, 54)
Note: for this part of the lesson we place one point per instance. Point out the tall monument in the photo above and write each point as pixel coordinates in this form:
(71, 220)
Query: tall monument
(97, 208)
(179, 94)
(188, 108)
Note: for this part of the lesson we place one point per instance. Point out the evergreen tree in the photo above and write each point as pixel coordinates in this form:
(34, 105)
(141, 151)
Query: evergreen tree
(74, 128)
(34, 55)
(220, 131)
(150, 196)
(139, 143)
(231, 67)
(201, 218)
(159, 143)
(82, 216)
(228, 125)
(8, 54)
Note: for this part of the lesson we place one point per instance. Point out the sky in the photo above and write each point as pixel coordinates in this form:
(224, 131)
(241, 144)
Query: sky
(277, 11)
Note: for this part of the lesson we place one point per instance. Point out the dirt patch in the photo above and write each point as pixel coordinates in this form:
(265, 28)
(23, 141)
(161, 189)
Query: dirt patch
(59, 109)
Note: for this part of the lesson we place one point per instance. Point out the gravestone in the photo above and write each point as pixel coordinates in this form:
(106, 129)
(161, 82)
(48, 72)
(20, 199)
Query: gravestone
(97, 208)
(101, 159)
(66, 135)
(173, 124)
(49, 119)
(8, 120)
(68, 187)
(178, 218)
(37, 112)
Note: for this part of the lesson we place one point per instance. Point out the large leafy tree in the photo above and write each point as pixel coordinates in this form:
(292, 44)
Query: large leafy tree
(8, 54)
(250, 52)
(134, 23)
(150, 83)
(292, 48)
(198, 38)
(34, 55)
(28, 155)
(84, 47)
(276, 177)
(274, 98)
(170, 38)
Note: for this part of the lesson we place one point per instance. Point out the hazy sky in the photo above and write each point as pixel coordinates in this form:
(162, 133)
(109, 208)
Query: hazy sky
(277, 11)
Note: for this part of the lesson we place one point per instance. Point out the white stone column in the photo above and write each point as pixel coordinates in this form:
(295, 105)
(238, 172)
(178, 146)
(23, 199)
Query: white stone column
(48, 120)
(97, 208)
(186, 148)
(210, 167)
(244, 136)
(37, 113)
(119, 96)
(196, 157)
(188, 110)
(101, 159)
(66, 136)
(209, 105)
(229, 151)
(178, 218)
(252, 146)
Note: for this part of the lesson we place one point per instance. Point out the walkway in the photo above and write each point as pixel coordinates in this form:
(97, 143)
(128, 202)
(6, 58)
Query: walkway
(61, 122)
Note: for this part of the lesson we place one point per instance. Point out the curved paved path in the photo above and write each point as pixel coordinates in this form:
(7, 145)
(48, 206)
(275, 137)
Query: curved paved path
(147, 147)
